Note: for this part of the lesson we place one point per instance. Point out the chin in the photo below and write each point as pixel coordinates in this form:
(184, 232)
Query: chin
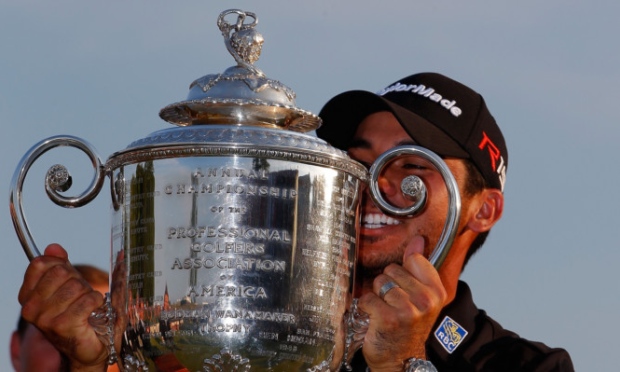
(376, 260)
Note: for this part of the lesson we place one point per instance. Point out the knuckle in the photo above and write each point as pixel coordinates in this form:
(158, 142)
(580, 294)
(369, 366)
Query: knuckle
(37, 263)
(23, 295)
(58, 272)
(29, 311)
(90, 301)
(392, 323)
(425, 301)
(392, 270)
(71, 289)
(35, 314)
(443, 295)
(431, 300)
(379, 281)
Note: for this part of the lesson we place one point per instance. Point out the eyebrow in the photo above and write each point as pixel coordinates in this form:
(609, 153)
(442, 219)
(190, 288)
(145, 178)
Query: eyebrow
(358, 143)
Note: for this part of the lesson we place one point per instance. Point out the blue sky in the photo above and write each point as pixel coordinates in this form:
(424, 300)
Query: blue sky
(549, 72)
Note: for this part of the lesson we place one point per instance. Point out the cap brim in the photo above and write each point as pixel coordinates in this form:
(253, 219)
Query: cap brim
(342, 114)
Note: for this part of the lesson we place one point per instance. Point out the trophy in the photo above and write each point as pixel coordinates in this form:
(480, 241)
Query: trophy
(234, 234)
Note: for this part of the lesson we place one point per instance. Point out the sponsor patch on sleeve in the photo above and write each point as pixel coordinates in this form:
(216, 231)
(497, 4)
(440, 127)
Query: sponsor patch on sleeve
(450, 334)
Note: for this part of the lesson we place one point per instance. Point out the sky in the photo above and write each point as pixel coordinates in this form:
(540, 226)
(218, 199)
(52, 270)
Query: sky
(549, 72)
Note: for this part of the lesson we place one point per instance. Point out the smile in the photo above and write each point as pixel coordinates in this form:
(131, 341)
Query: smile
(378, 220)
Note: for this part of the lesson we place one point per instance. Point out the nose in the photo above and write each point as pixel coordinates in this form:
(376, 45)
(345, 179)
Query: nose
(401, 196)
(387, 187)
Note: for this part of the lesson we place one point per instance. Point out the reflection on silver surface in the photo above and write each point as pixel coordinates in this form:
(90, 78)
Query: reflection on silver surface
(253, 255)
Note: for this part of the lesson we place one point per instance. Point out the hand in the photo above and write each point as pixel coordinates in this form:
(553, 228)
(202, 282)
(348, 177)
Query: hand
(58, 301)
(401, 322)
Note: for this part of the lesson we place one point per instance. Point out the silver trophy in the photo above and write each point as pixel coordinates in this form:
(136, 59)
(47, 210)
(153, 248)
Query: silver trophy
(234, 235)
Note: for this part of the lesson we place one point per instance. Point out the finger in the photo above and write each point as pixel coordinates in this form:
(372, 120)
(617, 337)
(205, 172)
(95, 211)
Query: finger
(388, 289)
(419, 280)
(419, 267)
(77, 312)
(70, 330)
(54, 254)
(36, 270)
(50, 283)
(57, 290)
(416, 245)
(45, 275)
(371, 304)
(56, 250)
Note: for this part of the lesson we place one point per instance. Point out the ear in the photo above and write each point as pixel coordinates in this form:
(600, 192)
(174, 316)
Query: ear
(490, 208)
(15, 351)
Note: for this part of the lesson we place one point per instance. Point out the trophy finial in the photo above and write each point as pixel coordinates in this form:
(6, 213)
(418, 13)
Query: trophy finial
(245, 43)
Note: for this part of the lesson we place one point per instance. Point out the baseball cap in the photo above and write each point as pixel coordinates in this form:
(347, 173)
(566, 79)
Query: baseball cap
(438, 113)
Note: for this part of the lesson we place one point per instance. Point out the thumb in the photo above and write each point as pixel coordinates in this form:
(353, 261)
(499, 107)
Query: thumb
(55, 250)
(416, 245)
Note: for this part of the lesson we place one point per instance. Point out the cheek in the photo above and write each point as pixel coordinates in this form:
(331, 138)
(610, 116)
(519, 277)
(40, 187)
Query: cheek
(437, 201)
(431, 222)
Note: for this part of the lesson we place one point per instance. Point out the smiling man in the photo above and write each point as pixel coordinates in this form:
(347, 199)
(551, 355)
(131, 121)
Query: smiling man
(420, 317)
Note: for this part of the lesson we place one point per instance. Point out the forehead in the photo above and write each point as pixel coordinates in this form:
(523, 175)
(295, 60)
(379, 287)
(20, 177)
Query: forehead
(381, 128)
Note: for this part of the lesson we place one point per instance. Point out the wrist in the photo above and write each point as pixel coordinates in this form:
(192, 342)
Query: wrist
(418, 365)
(76, 367)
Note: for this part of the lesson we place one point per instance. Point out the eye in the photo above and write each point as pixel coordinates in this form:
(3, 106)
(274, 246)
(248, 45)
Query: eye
(413, 166)
(411, 163)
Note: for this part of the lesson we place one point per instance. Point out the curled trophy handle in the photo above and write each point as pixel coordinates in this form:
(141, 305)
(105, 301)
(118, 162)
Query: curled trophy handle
(414, 189)
(59, 180)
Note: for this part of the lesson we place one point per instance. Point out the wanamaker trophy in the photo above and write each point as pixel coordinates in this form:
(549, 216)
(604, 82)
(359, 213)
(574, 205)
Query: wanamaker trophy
(234, 234)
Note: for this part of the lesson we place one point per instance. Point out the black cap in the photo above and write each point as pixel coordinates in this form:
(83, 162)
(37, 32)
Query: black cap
(438, 113)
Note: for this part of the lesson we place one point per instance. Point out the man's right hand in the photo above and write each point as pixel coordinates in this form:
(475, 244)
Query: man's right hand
(58, 301)
(402, 320)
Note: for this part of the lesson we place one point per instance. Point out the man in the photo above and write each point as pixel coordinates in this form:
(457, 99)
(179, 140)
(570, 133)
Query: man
(416, 312)
(31, 351)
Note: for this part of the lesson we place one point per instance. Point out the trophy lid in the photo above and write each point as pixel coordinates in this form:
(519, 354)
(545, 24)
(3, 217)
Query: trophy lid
(242, 94)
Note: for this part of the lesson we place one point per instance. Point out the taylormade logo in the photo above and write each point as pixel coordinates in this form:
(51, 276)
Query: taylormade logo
(427, 92)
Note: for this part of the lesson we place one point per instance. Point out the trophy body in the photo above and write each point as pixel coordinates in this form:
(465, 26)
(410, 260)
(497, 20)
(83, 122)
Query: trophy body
(233, 246)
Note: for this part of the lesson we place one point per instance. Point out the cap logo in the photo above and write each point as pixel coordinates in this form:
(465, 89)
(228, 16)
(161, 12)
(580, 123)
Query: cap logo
(424, 91)
(495, 155)
(450, 334)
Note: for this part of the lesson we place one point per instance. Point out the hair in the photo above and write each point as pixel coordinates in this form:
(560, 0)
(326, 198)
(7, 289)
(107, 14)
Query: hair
(93, 275)
(474, 184)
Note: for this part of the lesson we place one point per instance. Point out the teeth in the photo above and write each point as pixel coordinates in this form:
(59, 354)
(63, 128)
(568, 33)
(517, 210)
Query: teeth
(378, 220)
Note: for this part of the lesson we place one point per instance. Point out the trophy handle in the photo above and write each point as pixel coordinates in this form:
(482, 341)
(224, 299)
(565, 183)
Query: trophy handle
(414, 189)
(58, 180)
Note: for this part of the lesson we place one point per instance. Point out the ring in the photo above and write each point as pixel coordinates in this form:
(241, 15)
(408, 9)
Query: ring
(386, 288)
